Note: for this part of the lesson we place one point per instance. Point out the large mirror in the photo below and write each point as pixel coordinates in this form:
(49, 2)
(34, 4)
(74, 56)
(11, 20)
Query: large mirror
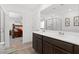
(52, 23)
(61, 17)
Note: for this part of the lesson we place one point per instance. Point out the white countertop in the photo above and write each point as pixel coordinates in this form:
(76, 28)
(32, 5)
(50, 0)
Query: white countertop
(70, 37)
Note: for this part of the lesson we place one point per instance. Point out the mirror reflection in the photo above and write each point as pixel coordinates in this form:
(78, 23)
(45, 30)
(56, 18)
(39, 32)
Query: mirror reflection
(61, 17)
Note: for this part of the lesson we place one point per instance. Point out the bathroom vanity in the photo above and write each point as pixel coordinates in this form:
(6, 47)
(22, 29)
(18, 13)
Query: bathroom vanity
(50, 42)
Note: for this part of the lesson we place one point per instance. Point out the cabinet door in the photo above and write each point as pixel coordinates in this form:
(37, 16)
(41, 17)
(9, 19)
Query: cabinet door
(47, 48)
(59, 43)
(39, 45)
(60, 51)
(76, 49)
(35, 43)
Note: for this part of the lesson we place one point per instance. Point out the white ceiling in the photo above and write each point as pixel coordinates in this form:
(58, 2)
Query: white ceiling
(59, 9)
(44, 6)
(24, 7)
(21, 7)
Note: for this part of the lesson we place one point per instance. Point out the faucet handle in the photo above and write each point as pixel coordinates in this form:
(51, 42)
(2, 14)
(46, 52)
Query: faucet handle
(61, 33)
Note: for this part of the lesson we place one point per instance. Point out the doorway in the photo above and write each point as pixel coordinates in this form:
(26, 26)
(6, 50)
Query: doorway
(16, 30)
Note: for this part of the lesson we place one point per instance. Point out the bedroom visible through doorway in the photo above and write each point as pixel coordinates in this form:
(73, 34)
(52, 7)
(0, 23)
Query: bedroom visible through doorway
(16, 29)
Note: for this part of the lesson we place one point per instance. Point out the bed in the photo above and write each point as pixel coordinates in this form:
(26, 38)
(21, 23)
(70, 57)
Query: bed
(17, 31)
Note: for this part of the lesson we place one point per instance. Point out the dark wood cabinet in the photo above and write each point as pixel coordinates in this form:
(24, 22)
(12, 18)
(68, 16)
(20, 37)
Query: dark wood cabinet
(37, 43)
(47, 45)
(61, 44)
(50, 48)
(76, 49)
(47, 48)
(60, 51)
(39, 46)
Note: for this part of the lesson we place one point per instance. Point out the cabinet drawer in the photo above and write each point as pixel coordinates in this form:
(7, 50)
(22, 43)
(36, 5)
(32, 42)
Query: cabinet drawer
(76, 49)
(61, 44)
(60, 51)
(37, 35)
(47, 48)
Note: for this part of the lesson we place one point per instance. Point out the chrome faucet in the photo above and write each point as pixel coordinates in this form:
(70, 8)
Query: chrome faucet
(61, 33)
(43, 30)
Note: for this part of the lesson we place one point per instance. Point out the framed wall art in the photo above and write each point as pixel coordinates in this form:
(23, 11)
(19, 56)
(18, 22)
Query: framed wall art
(76, 21)
(67, 21)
